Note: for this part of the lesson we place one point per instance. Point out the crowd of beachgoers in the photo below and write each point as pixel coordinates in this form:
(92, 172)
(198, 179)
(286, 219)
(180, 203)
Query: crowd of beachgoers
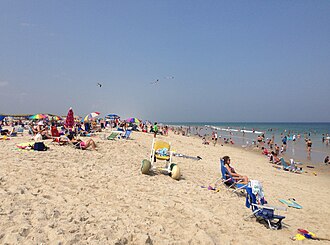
(267, 146)
(58, 131)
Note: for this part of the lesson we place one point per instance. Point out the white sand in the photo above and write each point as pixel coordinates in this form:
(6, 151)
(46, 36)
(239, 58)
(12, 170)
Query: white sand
(69, 196)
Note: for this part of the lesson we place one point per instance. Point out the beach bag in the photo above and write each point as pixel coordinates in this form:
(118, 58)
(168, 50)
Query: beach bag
(39, 146)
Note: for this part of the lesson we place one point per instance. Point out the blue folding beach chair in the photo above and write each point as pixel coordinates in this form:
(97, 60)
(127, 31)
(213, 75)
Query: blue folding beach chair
(228, 180)
(263, 212)
(127, 134)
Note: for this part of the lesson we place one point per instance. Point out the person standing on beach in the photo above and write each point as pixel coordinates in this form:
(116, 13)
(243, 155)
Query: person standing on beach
(277, 149)
(271, 142)
(215, 138)
(155, 129)
(309, 145)
(284, 142)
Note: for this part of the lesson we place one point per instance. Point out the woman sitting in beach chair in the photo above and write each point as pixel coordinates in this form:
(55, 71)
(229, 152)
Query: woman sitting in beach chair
(241, 178)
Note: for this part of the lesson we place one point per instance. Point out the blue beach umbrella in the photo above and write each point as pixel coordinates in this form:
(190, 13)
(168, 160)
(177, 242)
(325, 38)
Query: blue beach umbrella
(112, 116)
(2, 117)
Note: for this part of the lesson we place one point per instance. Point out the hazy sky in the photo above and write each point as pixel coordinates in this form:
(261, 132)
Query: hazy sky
(231, 60)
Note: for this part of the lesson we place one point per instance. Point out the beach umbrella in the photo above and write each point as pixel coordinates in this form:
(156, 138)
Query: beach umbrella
(69, 121)
(91, 116)
(38, 116)
(55, 118)
(132, 120)
(2, 117)
(112, 116)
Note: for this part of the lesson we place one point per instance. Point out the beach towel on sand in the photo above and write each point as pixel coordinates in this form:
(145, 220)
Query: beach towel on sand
(4, 137)
(37, 146)
(25, 146)
(291, 203)
(162, 152)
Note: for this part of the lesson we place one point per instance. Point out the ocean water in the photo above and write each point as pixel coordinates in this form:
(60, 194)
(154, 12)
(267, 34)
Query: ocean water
(245, 135)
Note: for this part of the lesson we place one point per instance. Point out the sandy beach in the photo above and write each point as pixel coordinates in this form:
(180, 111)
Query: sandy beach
(70, 196)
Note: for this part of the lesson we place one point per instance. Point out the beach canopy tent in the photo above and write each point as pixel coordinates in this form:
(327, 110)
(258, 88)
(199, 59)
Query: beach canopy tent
(38, 116)
(133, 120)
(112, 116)
(91, 116)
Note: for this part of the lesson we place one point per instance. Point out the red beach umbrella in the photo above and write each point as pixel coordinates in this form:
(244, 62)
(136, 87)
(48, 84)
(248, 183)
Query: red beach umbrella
(69, 121)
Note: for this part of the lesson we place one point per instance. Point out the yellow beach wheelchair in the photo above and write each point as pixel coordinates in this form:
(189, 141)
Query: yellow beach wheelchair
(161, 150)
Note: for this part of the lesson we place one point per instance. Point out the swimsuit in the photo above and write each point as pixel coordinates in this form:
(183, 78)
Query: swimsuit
(82, 145)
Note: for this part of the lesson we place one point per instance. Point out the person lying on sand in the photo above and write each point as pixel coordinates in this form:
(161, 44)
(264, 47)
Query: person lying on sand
(79, 144)
(242, 178)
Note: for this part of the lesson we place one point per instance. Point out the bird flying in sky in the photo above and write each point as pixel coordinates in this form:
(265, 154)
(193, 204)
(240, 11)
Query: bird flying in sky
(155, 82)
(99, 84)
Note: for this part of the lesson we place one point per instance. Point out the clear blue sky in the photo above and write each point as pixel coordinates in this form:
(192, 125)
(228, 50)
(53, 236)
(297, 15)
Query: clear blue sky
(231, 60)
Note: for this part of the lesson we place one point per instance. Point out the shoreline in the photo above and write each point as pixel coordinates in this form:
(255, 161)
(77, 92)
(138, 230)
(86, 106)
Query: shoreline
(312, 169)
(296, 150)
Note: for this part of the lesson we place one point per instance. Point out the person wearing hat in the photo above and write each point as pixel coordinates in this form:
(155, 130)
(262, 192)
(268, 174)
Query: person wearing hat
(41, 129)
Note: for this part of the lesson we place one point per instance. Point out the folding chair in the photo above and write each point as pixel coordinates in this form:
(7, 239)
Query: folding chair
(127, 134)
(112, 136)
(262, 211)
